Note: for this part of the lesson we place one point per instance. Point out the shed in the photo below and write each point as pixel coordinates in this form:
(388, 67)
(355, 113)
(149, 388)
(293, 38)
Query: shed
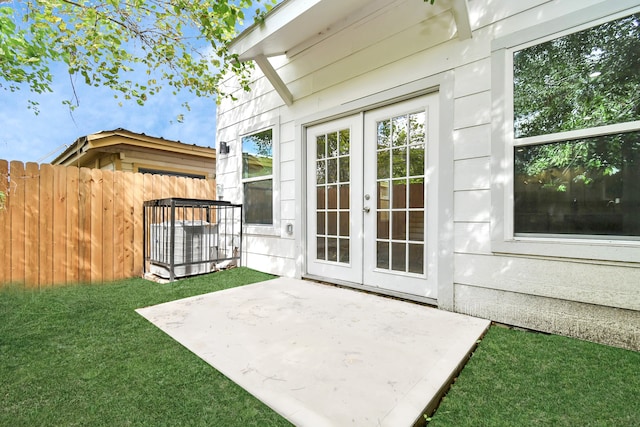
(123, 150)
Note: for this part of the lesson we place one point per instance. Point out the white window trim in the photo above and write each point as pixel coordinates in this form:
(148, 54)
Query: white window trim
(274, 125)
(503, 240)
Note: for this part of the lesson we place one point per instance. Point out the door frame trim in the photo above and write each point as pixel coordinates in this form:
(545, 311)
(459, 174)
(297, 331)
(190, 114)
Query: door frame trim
(443, 84)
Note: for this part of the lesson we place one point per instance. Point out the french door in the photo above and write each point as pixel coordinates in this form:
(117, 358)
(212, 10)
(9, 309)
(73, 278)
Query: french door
(370, 220)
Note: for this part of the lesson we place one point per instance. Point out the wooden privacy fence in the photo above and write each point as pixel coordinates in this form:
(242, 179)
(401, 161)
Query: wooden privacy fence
(63, 224)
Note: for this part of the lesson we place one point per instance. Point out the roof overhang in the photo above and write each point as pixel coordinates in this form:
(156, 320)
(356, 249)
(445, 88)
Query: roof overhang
(87, 147)
(295, 25)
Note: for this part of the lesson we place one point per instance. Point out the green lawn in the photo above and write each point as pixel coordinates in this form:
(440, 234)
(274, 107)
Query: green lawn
(80, 355)
(518, 378)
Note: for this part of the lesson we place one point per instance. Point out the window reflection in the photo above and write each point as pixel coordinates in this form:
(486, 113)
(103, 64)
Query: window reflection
(400, 205)
(257, 154)
(333, 175)
(257, 174)
(591, 186)
(578, 81)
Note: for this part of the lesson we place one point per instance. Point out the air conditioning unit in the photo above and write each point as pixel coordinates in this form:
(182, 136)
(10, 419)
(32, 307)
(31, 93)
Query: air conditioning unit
(195, 245)
(185, 237)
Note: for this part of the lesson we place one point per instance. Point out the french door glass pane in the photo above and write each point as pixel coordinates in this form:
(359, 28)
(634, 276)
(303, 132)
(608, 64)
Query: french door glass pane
(321, 171)
(398, 225)
(332, 249)
(382, 251)
(332, 192)
(384, 170)
(321, 248)
(398, 257)
(344, 224)
(384, 134)
(399, 192)
(416, 226)
(332, 223)
(321, 222)
(332, 144)
(401, 161)
(343, 250)
(416, 193)
(416, 258)
(344, 197)
(383, 224)
(332, 196)
(320, 197)
(332, 171)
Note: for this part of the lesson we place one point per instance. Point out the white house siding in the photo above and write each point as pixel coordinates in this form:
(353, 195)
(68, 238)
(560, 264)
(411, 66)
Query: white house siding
(595, 301)
(598, 301)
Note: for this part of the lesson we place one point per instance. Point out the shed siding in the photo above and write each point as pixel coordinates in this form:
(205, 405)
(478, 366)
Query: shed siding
(391, 49)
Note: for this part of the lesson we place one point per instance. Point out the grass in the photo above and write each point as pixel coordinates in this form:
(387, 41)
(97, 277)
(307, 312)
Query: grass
(518, 378)
(80, 355)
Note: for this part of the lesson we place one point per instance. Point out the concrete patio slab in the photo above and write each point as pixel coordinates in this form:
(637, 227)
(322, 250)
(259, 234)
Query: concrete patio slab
(321, 355)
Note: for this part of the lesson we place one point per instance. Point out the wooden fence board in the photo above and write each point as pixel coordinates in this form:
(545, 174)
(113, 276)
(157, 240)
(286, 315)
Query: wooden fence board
(96, 226)
(60, 237)
(70, 225)
(107, 226)
(157, 188)
(45, 264)
(140, 188)
(17, 192)
(73, 235)
(5, 224)
(129, 211)
(118, 225)
(189, 190)
(84, 225)
(208, 189)
(180, 187)
(147, 187)
(32, 224)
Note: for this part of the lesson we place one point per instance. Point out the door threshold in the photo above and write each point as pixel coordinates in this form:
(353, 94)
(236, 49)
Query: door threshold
(373, 290)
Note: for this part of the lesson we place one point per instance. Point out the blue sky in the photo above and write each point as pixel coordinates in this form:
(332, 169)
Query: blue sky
(39, 138)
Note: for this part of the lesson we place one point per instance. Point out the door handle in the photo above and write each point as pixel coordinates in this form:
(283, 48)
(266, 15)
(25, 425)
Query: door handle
(366, 209)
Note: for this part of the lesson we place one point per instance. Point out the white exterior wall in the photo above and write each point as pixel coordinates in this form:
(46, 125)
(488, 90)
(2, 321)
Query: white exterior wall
(595, 300)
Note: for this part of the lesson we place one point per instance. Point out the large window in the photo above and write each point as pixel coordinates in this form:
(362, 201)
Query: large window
(257, 177)
(576, 133)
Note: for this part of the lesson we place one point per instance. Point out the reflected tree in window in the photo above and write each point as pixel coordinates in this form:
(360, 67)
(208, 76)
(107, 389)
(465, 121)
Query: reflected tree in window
(257, 174)
(580, 81)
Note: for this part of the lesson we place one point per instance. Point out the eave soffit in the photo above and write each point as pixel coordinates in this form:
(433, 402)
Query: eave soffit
(296, 25)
